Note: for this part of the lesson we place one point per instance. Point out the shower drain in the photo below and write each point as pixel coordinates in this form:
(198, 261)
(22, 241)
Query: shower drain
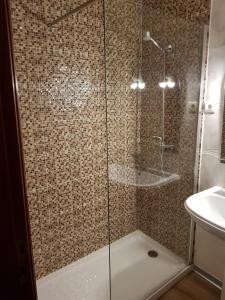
(152, 253)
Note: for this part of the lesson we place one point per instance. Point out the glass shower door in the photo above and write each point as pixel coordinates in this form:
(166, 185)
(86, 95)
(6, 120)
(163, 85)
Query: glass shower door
(153, 74)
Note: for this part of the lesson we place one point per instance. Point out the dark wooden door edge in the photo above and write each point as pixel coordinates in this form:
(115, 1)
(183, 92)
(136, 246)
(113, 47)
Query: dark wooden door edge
(17, 273)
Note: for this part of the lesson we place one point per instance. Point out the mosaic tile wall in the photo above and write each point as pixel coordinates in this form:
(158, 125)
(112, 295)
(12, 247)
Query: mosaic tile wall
(123, 34)
(180, 24)
(61, 90)
(60, 75)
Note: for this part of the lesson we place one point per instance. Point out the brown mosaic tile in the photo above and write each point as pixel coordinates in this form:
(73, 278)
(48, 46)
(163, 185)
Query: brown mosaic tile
(60, 75)
(179, 24)
(61, 91)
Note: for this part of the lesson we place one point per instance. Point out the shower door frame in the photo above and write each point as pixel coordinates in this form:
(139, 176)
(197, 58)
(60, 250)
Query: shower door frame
(17, 264)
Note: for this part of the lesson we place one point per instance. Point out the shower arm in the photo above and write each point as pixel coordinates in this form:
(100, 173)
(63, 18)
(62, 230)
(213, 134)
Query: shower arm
(157, 45)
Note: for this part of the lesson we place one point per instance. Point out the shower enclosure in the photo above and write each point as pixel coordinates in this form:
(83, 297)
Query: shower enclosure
(108, 96)
(153, 74)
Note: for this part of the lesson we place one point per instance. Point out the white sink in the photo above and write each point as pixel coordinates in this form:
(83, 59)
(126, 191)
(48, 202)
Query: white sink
(207, 209)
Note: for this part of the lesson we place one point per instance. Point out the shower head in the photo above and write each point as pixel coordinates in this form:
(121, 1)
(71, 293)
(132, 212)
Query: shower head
(147, 36)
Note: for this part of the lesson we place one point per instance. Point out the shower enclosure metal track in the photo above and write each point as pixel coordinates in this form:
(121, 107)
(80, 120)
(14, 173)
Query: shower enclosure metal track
(170, 283)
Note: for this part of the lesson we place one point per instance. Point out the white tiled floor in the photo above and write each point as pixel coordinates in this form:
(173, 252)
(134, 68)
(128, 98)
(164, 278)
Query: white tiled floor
(134, 274)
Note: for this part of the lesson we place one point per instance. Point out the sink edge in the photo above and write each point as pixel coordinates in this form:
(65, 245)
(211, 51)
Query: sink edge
(205, 224)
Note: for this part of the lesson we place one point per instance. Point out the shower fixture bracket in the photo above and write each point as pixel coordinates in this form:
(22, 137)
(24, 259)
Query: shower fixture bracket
(162, 145)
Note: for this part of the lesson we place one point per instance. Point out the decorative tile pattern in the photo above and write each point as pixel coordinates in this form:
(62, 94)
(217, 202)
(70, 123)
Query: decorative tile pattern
(180, 24)
(61, 91)
(60, 75)
(123, 34)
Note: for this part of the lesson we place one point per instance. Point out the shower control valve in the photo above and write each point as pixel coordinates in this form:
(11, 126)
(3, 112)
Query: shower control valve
(159, 138)
(162, 145)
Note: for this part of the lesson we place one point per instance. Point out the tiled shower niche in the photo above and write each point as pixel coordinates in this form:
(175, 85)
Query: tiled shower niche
(79, 116)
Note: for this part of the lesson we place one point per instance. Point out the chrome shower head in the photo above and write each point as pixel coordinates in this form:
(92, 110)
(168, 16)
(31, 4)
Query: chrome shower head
(147, 36)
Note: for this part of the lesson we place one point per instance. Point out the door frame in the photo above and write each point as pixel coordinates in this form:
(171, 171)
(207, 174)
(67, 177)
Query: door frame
(18, 280)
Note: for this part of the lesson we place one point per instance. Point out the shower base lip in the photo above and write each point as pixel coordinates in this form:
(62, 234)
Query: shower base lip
(170, 283)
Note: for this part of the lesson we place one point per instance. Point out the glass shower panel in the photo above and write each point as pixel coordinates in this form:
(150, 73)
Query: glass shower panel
(153, 76)
(124, 80)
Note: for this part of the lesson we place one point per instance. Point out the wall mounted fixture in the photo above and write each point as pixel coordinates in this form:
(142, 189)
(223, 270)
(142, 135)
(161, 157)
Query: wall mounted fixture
(169, 82)
(138, 84)
(161, 144)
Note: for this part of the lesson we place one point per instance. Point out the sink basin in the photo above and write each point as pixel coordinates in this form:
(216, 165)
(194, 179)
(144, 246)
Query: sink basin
(207, 209)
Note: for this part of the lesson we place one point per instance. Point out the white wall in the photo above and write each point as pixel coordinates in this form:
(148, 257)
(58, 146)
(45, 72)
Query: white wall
(209, 250)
